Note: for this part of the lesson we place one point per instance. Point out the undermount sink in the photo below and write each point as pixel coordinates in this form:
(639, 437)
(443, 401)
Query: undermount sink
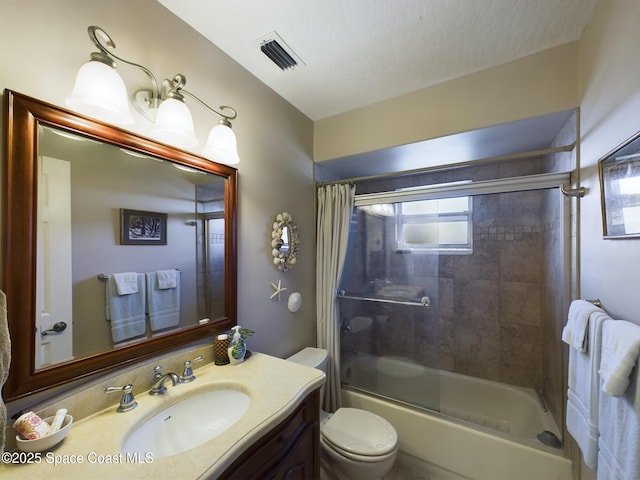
(187, 424)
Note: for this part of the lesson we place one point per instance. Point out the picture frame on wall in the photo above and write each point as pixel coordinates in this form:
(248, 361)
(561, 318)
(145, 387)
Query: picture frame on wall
(619, 172)
(139, 227)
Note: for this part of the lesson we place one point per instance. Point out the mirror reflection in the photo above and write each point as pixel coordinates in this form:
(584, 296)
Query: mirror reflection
(66, 204)
(620, 189)
(108, 292)
(284, 241)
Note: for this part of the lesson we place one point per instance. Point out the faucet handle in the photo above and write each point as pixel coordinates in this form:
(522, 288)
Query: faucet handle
(157, 372)
(187, 374)
(128, 401)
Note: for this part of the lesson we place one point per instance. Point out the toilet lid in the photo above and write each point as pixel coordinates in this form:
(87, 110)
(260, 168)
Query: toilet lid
(360, 432)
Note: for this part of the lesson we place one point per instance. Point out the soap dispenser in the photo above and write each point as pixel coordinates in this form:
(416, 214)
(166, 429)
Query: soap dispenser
(237, 348)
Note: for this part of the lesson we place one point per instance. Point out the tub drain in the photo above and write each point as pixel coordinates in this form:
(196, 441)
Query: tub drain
(550, 439)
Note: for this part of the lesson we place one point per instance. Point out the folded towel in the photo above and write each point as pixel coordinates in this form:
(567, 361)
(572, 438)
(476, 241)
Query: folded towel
(163, 304)
(126, 282)
(620, 349)
(619, 441)
(167, 279)
(575, 331)
(5, 362)
(126, 312)
(583, 391)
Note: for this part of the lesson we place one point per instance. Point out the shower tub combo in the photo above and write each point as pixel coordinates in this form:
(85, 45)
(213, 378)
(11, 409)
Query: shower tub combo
(484, 430)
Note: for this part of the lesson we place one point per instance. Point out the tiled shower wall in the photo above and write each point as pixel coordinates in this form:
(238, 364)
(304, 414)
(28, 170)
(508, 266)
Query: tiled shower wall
(493, 325)
(486, 319)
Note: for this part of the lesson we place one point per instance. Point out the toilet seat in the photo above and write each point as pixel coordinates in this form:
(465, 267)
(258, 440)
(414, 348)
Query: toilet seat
(359, 435)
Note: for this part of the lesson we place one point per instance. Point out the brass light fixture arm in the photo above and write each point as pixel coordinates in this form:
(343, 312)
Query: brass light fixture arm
(226, 119)
(148, 101)
(109, 55)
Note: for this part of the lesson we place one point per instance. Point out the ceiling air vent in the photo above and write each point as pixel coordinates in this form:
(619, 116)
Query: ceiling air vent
(279, 52)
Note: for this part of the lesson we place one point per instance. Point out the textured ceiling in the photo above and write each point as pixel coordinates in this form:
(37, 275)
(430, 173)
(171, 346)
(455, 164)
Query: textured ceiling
(358, 52)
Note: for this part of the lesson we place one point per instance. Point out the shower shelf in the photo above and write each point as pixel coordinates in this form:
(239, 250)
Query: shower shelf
(422, 302)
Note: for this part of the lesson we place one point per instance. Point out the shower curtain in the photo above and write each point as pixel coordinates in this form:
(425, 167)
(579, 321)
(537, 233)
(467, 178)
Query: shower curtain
(335, 205)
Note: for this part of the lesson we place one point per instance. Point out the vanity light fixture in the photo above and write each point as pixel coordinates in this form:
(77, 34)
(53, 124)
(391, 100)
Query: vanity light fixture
(100, 92)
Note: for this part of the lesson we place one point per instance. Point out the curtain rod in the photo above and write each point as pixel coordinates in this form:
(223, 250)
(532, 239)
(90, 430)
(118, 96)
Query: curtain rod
(452, 166)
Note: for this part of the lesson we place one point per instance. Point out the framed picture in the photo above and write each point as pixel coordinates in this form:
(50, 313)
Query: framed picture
(138, 227)
(620, 190)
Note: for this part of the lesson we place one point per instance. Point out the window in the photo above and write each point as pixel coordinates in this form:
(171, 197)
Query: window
(441, 225)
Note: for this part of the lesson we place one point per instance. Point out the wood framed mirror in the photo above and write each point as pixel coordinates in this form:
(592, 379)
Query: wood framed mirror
(196, 200)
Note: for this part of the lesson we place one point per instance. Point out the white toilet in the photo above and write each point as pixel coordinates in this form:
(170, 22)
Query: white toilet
(355, 444)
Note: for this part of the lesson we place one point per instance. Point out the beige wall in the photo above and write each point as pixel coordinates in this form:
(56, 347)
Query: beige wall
(610, 106)
(44, 42)
(535, 85)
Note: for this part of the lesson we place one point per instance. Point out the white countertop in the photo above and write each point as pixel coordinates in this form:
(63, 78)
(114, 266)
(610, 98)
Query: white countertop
(275, 386)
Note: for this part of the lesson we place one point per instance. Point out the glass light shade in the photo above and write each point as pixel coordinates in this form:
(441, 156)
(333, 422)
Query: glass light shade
(174, 124)
(221, 145)
(99, 92)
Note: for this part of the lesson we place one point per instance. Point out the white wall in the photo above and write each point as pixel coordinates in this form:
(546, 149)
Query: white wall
(44, 42)
(610, 114)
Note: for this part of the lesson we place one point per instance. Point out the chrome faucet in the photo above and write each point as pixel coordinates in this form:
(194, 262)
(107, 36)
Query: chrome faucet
(158, 387)
(187, 374)
(127, 402)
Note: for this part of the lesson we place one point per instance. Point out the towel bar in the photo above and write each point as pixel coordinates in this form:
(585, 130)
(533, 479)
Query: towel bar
(103, 277)
(596, 302)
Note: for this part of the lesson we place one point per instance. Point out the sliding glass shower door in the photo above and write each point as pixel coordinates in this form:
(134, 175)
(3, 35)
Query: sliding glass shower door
(389, 323)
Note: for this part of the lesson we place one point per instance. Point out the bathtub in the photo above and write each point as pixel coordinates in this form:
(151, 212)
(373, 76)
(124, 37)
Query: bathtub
(485, 430)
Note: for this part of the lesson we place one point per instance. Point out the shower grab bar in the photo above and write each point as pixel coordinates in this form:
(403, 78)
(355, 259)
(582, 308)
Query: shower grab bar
(424, 301)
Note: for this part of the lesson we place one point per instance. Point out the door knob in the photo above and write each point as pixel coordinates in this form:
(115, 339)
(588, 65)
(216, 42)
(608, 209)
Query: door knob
(57, 328)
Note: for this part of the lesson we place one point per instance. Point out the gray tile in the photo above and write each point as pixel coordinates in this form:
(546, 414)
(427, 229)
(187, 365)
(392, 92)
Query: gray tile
(520, 303)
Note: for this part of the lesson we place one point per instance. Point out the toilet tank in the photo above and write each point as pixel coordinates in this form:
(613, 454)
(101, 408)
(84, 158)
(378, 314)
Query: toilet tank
(311, 357)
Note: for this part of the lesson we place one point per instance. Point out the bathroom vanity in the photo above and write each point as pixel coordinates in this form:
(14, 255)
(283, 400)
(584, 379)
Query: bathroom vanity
(277, 437)
(290, 450)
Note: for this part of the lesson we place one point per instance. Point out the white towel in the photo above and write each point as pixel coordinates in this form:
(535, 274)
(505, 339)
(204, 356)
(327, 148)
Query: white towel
(163, 304)
(619, 443)
(620, 349)
(126, 282)
(126, 312)
(167, 279)
(583, 391)
(5, 362)
(575, 331)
